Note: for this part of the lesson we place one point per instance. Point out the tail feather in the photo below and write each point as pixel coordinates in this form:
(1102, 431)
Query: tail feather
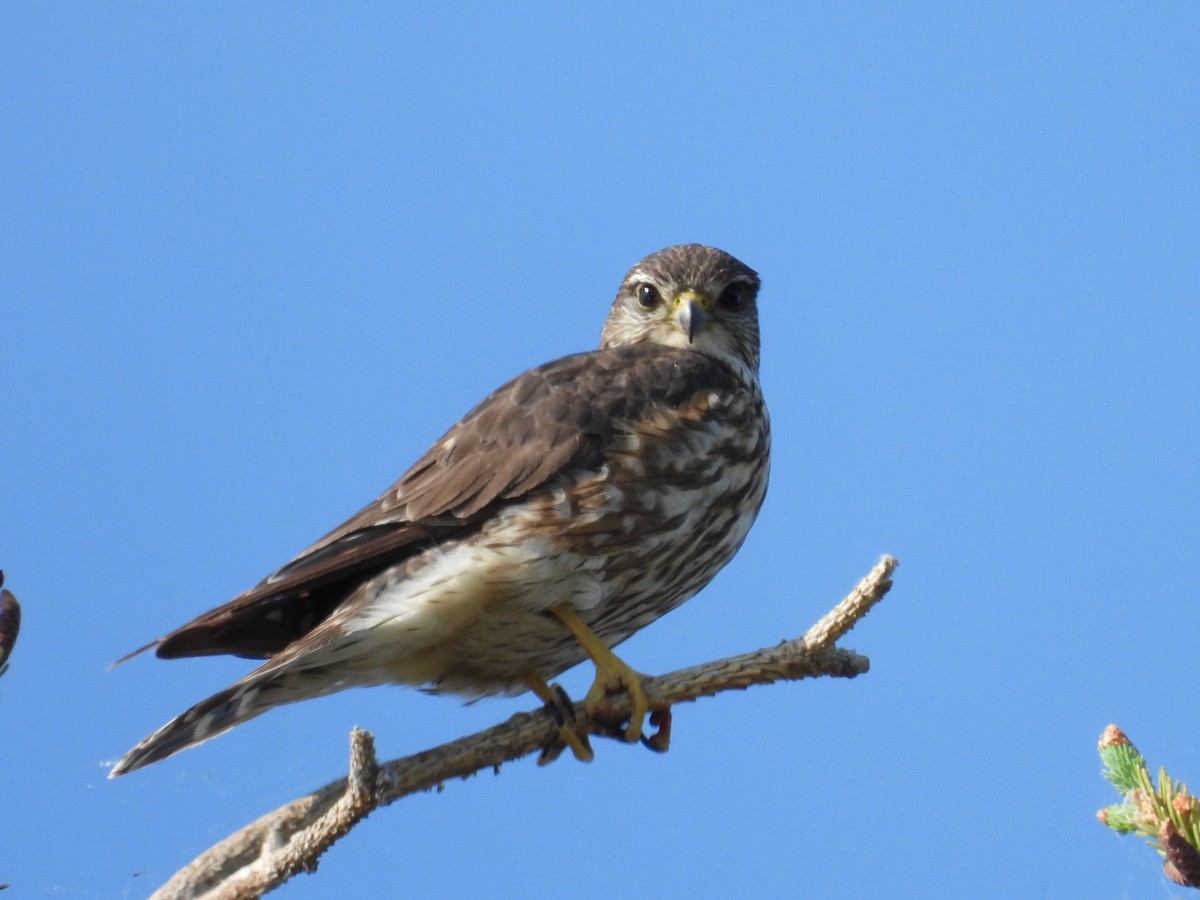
(241, 701)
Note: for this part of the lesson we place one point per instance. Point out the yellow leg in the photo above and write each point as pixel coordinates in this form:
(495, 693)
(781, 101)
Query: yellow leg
(566, 733)
(612, 674)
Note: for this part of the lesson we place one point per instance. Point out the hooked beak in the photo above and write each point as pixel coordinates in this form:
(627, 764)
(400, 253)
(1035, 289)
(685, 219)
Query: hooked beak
(691, 312)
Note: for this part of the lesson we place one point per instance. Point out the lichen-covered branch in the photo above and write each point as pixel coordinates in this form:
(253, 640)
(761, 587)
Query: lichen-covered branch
(269, 851)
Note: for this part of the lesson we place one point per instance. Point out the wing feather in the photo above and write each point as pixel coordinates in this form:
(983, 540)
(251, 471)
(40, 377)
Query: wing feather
(559, 418)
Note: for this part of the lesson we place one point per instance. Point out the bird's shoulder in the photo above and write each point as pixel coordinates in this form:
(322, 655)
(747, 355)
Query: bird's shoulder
(558, 416)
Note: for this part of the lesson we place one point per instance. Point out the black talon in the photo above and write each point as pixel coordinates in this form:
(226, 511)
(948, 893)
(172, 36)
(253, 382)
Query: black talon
(660, 741)
(562, 708)
(551, 751)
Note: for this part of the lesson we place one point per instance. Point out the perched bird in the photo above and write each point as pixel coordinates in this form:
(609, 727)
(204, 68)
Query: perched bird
(571, 508)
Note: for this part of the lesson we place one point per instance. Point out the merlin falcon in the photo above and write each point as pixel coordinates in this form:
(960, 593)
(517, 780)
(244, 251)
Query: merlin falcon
(568, 510)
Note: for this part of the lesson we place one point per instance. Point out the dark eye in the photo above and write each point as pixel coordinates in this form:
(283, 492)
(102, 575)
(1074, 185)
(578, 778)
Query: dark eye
(733, 297)
(648, 296)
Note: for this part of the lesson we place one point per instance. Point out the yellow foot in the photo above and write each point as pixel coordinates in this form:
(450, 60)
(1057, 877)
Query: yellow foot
(563, 710)
(613, 676)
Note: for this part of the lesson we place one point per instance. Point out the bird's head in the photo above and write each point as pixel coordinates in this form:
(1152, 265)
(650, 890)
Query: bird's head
(689, 296)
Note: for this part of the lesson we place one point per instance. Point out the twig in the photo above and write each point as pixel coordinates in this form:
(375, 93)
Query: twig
(269, 851)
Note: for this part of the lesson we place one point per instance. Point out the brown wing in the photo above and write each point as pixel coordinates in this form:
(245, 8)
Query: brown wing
(557, 418)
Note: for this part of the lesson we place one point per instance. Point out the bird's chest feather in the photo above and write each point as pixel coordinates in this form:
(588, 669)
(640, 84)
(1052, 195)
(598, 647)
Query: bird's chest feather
(670, 505)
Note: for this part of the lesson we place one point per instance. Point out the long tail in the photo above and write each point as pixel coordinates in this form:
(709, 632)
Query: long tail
(261, 690)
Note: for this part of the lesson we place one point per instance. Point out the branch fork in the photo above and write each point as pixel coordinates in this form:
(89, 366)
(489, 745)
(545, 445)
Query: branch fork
(267, 852)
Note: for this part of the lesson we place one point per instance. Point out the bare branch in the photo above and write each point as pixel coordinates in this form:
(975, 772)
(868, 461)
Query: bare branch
(269, 851)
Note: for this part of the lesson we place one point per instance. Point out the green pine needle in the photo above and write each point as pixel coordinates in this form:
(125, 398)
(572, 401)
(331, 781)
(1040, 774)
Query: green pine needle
(1146, 806)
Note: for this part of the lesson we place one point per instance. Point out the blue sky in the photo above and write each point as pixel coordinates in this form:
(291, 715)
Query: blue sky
(257, 257)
